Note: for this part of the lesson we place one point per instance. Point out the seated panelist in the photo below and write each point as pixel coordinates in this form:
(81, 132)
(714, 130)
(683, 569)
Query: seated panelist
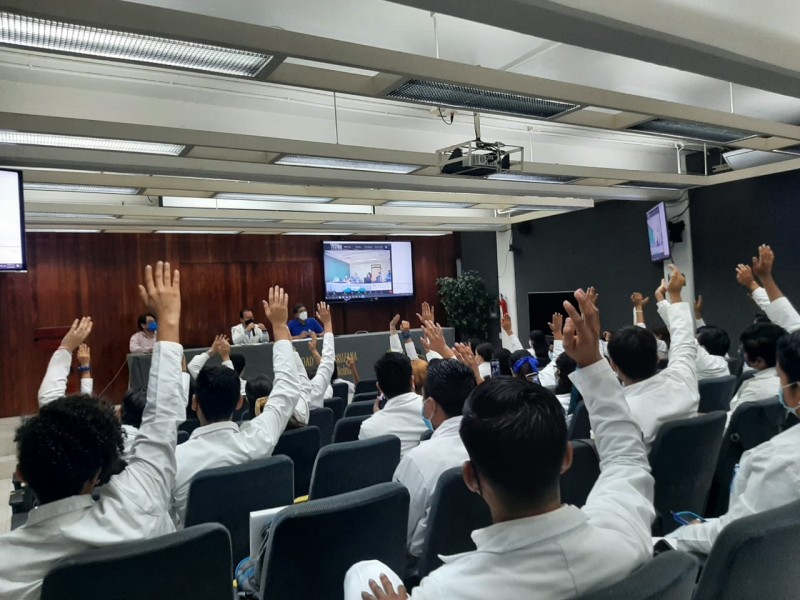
(248, 331)
(302, 325)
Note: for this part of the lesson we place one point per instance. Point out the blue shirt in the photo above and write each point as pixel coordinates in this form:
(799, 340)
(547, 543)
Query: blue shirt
(311, 324)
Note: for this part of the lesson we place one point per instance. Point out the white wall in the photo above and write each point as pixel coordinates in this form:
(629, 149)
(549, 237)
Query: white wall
(682, 253)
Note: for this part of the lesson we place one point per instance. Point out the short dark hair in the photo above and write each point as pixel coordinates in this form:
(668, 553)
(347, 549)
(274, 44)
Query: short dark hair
(298, 306)
(133, 403)
(142, 319)
(714, 339)
(393, 372)
(449, 383)
(760, 340)
(539, 343)
(239, 363)
(503, 356)
(635, 352)
(566, 366)
(662, 333)
(485, 351)
(789, 356)
(244, 310)
(258, 386)
(217, 392)
(516, 436)
(66, 444)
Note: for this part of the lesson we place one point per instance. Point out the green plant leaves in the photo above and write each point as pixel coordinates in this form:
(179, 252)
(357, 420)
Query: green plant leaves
(467, 303)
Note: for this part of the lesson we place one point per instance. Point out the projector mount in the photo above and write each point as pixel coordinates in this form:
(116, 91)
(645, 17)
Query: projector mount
(477, 158)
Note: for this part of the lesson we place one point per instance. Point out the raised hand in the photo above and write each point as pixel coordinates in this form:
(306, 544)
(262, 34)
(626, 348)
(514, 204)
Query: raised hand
(277, 310)
(698, 307)
(427, 313)
(762, 265)
(312, 343)
(661, 292)
(351, 362)
(582, 331)
(161, 294)
(393, 324)
(405, 327)
(465, 355)
(637, 300)
(505, 323)
(435, 339)
(744, 277)
(324, 316)
(676, 283)
(224, 348)
(594, 295)
(84, 355)
(557, 326)
(80, 330)
(215, 345)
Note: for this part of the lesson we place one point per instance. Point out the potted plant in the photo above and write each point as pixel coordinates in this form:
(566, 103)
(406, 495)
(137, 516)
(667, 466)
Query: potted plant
(467, 303)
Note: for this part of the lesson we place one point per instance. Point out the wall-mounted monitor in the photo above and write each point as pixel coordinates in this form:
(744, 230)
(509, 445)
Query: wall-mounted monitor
(658, 233)
(12, 222)
(359, 271)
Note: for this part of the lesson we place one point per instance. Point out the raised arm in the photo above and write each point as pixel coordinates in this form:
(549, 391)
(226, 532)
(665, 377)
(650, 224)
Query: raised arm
(639, 302)
(434, 339)
(678, 317)
(322, 379)
(199, 361)
(351, 363)
(54, 384)
(780, 311)
(408, 343)
(511, 341)
(395, 345)
(621, 500)
(84, 355)
(745, 278)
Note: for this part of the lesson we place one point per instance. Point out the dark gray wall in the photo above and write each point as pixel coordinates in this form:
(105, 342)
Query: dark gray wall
(605, 247)
(729, 222)
(479, 253)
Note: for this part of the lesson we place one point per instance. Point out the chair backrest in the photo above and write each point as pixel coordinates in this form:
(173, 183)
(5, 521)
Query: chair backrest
(744, 376)
(455, 513)
(302, 446)
(579, 427)
(752, 424)
(347, 429)
(193, 563)
(227, 495)
(669, 576)
(351, 466)
(183, 436)
(683, 458)
(716, 394)
(341, 390)
(312, 545)
(579, 480)
(357, 409)
(323, 419)
(337, 404)
(364, 396)
(754, 557)
(189, 425)
(366, 385)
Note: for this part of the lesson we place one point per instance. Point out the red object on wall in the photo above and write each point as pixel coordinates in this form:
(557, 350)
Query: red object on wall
(503, 305)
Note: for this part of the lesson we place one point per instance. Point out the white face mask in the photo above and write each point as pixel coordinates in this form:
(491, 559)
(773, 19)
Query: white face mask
(302, 316)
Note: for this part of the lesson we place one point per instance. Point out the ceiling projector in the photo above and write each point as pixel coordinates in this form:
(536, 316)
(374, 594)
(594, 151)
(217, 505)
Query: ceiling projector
(477, 158)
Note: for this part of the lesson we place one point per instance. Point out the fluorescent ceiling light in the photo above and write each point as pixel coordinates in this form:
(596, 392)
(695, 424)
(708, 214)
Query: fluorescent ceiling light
(362, 224)
(209, 231)
(86, 189)
(655, 185)
(425, 204)
(297, 160)
(317, 233)
(532, 178)
(541, 207)
(53, 215)
(64, 230)
(421, 234)
(58, 36)
(228, 221)
(221, 204)
(88, 143)
(471, 225)
(274, 198)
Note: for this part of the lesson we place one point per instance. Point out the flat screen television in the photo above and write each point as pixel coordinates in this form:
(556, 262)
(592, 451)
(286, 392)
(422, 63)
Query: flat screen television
(359, 271)
(658, 233)
(12, 222)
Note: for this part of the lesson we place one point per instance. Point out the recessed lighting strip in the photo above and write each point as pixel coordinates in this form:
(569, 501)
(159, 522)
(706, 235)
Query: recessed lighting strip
(86, 189)
(322, 162)
(8, 136)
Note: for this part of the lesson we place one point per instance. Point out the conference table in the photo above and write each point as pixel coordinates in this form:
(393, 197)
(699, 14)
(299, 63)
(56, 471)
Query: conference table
(364, 348)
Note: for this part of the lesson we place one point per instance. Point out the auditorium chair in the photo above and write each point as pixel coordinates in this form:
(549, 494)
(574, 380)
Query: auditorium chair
(668, 576)
(716, 394)
(337, 404)
(357, 409)
(189, 425)
(364, 396)
(579, 427)
(312, 545)
(347, 429)
(579, 479)
(366, 385)
(183, 436)
(302, 446)
(351, 466)
(227, 495)
(193, 563)
(341, 390)
(323, 419)
(683, 458)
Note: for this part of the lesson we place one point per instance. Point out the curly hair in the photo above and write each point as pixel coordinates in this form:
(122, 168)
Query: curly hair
(66, 445)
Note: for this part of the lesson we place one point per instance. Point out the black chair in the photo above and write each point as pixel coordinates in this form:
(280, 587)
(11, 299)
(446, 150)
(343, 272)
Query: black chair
(193, 563)
(312, 545)
(744, 376)
(579, 427)
(716, 394)
(669, 576)
(683, 458)
(365, 396)
(302, 446)
(455, 513)
(182, 437)
(579, 480)
(351, 466)
(227, 495)
(347, 429)
(735, 365)
(189, 425)
(341, 390)
(358, 409)
(755, 557)
(337, 404)
(323, 419)
(752, 424)
(367, 385)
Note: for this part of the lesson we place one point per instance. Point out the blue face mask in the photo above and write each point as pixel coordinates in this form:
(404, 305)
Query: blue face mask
(782, 400)
(152, 326)
(425, 419)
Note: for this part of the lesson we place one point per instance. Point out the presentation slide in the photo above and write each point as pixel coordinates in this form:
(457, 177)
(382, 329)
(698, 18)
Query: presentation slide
(12, 247)
(657, 233)
(367, 270)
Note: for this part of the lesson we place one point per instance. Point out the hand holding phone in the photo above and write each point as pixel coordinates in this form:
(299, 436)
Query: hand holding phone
(687, 517)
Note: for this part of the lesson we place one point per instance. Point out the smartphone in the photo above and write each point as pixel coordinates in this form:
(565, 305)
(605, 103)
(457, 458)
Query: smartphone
(495, 368)
(382, 400)
(685, 517)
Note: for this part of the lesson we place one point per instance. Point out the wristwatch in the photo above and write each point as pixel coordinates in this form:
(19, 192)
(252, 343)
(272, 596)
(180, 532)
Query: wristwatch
(84, 369)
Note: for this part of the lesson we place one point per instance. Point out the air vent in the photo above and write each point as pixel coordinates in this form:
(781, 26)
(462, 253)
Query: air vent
(474, 98)
(694, 131)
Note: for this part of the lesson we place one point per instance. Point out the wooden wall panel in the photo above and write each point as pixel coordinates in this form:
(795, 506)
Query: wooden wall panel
(96, 274)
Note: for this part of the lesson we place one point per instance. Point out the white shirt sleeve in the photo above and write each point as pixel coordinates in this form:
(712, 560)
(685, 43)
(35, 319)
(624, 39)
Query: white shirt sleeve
(761, 298)
(409, 474)
(54, 384)
(322, 379)
(238, 335)
(197, 363)
(511, 342)
(781, 312)
(87, 386)
(621, 500)
(302, 410)
(698, 323)
(683, 349)
(411, 350)
(394, 342)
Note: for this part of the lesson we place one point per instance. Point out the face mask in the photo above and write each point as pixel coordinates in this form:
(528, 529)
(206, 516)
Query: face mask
(302, 316)
(249, 321)
(426, 420)
(782, 400)
(152, 327)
